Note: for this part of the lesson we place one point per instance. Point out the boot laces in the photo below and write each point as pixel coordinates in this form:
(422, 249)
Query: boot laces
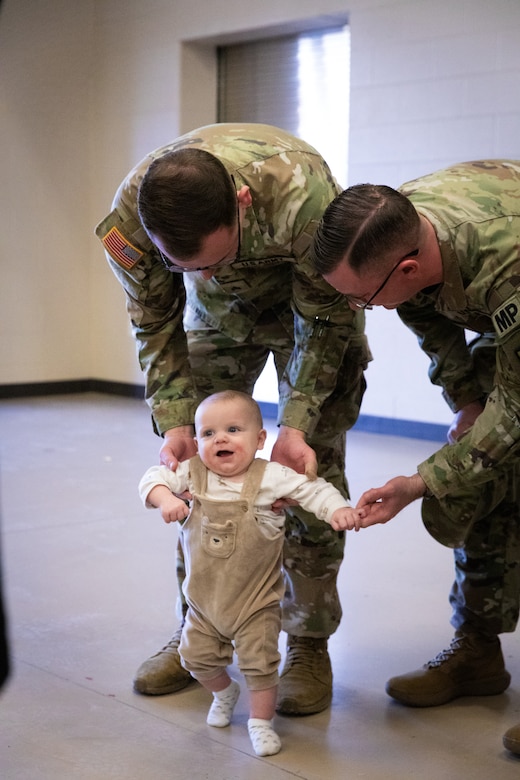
(174, 642)
(447, 654)
(302, 652)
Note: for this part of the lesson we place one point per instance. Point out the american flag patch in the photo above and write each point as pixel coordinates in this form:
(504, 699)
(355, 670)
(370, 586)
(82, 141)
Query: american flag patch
(120, 249)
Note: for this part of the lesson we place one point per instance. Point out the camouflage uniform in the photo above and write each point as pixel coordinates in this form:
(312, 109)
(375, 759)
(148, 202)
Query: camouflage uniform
(198, 336)
(475, 211)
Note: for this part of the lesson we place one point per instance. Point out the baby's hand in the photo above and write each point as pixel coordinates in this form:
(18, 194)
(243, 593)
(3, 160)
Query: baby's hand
(173, 509)
(347, 519)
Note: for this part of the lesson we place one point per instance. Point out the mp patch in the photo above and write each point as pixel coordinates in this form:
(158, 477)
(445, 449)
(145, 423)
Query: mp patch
(121, 250)
(506, 319)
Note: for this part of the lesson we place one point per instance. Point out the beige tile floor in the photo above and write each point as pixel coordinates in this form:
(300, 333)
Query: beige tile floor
(90, 591)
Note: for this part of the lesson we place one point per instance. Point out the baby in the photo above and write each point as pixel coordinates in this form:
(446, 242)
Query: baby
(232, 541)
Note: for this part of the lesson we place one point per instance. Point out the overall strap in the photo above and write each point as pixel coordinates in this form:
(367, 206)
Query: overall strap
(253, 479)
(199, 475)
(250, 487)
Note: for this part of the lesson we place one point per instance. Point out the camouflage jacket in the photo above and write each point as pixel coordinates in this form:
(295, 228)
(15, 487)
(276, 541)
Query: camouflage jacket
(291, 185)
(475, 210)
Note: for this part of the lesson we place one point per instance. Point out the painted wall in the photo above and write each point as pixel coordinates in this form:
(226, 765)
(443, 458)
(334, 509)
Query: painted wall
(87, 88)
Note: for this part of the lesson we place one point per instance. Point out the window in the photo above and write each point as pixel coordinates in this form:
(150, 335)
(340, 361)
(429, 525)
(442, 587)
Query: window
(297, 82)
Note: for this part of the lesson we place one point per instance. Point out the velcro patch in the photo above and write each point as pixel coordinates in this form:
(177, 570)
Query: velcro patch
(506, 319)
(121, 250)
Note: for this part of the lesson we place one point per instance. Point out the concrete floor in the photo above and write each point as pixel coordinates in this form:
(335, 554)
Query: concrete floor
(90, 591)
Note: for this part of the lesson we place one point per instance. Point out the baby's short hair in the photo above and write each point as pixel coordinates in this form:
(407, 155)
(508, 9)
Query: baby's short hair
(238, 395)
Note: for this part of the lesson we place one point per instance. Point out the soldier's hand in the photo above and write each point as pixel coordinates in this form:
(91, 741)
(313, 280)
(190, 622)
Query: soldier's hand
(379, 505)
(178, 445)
(291, 449)
(463, 420)
(282, 503)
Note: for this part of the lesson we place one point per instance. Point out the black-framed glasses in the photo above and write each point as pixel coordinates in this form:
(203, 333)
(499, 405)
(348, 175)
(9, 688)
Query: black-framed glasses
(181, 269)
(367, 305)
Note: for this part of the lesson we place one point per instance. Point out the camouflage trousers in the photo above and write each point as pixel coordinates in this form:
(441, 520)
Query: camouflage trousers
(483, 525)
(486, 592)
(313, 552)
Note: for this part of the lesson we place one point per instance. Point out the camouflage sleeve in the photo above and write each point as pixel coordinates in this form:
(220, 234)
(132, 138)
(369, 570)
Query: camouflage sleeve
(325, 328)
(492, 445)
(444, 342)
(488, 449)
(155, 301)
(324, 325)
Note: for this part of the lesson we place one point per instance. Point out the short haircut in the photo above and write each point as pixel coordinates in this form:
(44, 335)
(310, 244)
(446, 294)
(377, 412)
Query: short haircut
(361, 225)
(183, 197)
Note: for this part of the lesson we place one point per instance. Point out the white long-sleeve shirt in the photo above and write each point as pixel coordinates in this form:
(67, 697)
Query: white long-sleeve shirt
(317, 496)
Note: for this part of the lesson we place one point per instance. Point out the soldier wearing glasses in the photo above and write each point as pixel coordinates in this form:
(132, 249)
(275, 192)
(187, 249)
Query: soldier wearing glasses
(444, 251)
(210, 237)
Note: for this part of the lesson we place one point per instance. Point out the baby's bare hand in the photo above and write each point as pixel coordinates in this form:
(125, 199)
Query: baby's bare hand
(347, 519)
(172, 511)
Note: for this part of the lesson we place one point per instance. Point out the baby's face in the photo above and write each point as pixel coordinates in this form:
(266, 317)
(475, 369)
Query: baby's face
(227, 437)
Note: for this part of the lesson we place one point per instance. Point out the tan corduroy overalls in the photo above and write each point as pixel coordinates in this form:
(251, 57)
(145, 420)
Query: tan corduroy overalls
(233, 584)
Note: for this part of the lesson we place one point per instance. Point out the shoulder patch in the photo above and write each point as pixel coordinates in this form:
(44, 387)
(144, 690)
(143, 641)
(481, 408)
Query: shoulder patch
(506, 318)
(120, 249)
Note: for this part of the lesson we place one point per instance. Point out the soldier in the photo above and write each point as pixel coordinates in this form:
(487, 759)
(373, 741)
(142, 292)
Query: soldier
(444, 251)
(210, 237)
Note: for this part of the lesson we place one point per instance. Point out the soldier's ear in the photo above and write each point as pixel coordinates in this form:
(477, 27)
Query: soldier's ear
(409, 266)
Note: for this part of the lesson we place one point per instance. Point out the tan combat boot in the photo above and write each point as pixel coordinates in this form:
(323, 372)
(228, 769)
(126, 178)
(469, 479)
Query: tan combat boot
(473, 665)
(511, 739)
(306, 680)
(163, 672)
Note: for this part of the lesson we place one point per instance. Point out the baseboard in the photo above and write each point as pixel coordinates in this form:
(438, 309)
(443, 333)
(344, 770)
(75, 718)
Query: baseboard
(366, 423)
(35, 389)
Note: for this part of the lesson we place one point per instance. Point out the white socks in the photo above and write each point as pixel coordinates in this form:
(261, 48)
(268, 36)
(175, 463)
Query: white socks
(264, 738)
(221, 710)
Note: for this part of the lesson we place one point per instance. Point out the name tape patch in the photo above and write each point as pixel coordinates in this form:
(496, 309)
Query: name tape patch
(121, 250)
(506, 318)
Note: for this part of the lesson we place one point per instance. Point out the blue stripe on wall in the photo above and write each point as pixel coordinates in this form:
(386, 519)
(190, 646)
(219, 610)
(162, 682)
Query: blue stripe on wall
(384, 425)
